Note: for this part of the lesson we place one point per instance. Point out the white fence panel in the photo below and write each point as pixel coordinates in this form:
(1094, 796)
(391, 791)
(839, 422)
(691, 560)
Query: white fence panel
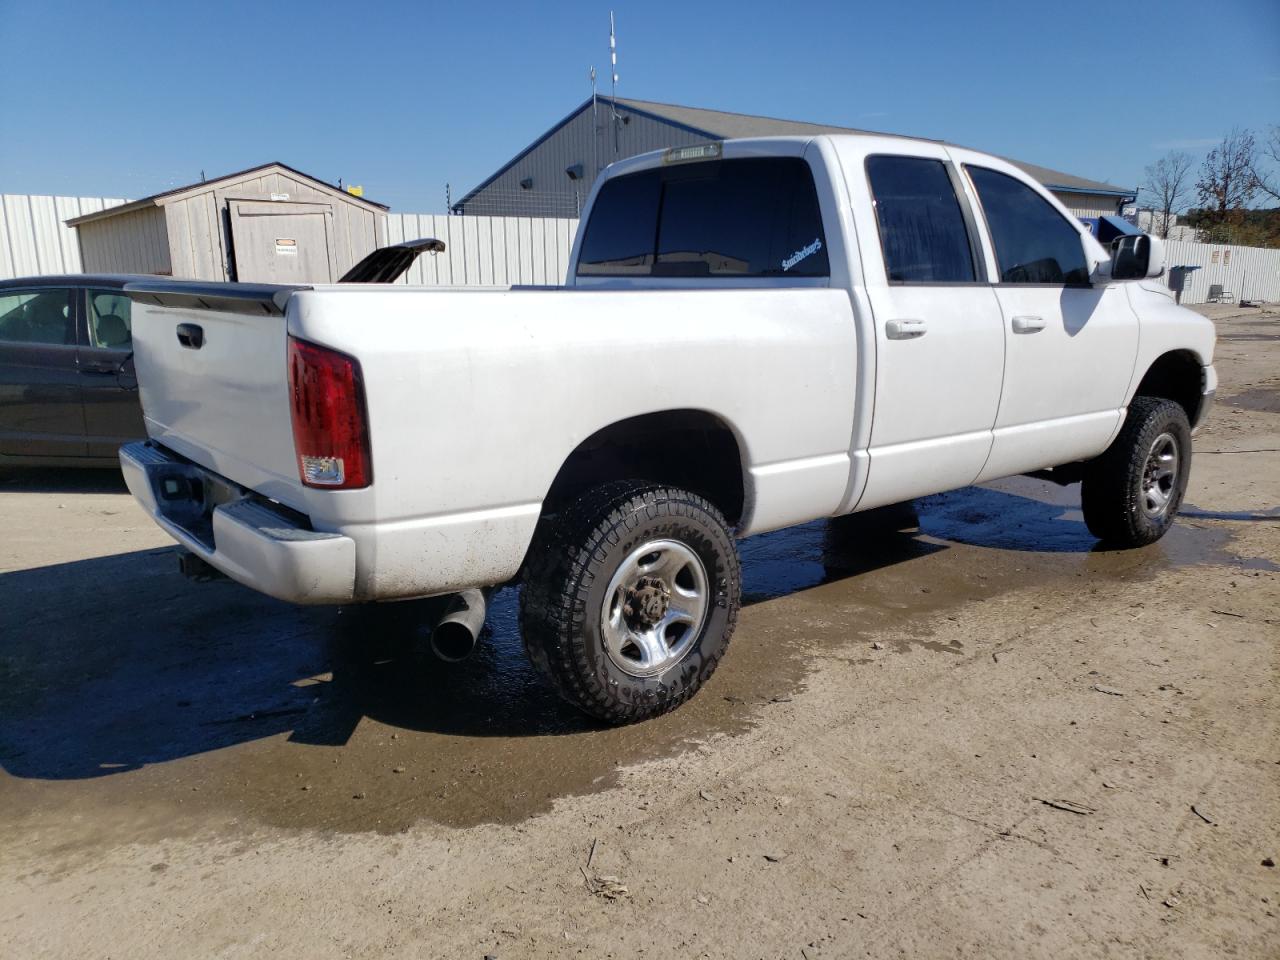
(1249, 273)
(34, 236)
(487, 250)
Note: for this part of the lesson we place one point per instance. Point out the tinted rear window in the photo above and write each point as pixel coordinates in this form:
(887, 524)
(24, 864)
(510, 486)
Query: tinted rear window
(922, 229)
(724, 218)
(623, 227)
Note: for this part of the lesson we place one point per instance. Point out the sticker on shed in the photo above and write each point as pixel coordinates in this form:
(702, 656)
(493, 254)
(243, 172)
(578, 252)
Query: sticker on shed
(286, 247)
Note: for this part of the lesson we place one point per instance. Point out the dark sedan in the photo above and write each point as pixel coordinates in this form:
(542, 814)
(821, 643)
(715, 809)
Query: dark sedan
(68, 395)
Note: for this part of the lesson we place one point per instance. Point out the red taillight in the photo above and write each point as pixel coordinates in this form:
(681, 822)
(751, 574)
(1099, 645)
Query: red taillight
(330, 432)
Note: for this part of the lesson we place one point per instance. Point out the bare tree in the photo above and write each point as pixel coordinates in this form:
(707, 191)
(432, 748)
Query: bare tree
(1167, 185)
(1226, 177)
(1227, 184)
(1268, 181)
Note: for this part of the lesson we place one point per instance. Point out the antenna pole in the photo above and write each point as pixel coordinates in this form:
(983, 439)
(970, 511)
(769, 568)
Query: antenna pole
(595, 128)
(613, 62)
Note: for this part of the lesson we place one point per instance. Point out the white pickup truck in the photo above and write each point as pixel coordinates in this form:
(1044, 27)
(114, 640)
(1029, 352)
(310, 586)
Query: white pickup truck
(752, 334)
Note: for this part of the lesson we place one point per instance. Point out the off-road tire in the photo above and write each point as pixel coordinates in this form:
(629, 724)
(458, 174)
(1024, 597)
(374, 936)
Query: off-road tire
(1111, 493)
(574, 556)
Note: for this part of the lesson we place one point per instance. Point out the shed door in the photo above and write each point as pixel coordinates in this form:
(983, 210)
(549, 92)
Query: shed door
(278, 242)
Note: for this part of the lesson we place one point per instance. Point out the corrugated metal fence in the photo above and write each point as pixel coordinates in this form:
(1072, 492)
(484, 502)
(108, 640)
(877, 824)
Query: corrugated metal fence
(1250, 273)
(484, 250)
(34, 240)
(34, 236)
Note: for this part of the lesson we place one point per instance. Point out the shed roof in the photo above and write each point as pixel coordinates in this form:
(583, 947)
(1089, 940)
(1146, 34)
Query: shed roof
(722, 125)
(178, 193)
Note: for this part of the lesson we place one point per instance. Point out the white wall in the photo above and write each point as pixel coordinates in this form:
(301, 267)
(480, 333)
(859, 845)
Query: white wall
(34, 236)
(485, 250)
(1251, 273)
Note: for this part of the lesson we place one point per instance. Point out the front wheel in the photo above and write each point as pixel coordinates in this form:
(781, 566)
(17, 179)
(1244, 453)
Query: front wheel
(1131, 494)
(630, 598)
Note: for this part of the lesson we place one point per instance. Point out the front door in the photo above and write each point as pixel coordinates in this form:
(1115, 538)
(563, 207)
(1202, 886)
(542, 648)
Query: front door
(40, 410)
(1069, 347)
(939, 339)
(279, 242)
(109, 388)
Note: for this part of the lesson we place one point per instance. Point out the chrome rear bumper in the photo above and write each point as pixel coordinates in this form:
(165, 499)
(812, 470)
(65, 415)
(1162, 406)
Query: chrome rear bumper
(255, 542)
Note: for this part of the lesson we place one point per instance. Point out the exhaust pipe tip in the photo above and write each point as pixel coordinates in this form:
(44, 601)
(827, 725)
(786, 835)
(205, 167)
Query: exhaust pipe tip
(452, 642)
(454, 637)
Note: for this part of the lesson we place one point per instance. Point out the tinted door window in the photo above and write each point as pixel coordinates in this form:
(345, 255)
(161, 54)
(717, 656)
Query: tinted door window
(922, 229)
(109, 324)
(725, 218)
(1034, 243)
(37, 316)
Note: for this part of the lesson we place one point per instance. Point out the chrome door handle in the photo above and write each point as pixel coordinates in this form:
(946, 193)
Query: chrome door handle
(905, 329)
(1028, 324)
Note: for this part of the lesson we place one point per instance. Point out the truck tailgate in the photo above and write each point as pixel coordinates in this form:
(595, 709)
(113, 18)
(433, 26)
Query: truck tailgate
(213, 379)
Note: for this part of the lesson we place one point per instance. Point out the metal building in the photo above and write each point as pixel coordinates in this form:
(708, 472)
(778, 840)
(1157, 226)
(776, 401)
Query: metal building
(269, 224)
(552, 176)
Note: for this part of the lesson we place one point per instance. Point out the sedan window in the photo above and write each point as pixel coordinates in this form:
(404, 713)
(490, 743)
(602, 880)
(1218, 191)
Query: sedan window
(109, 323)
(37, 316)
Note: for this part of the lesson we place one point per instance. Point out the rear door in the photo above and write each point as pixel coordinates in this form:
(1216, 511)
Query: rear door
(109, 387)
(939, 340)
(1070, 347)
(278, 242)
(40, 409)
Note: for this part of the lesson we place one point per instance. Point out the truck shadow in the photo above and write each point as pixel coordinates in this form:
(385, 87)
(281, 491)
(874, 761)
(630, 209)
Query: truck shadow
(111, 664)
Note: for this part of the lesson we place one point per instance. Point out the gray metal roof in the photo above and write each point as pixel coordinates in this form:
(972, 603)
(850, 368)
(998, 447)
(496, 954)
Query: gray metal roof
(720, 125)
(727, 126)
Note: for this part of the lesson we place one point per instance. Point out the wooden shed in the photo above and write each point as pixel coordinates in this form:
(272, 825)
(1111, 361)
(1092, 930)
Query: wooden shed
(270, 224)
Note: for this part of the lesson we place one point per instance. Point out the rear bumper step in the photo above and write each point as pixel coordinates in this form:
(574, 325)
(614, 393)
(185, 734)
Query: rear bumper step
(273, 550)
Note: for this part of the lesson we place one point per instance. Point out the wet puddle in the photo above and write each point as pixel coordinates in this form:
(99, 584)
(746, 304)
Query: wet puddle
(1261, 399)
(145, 705)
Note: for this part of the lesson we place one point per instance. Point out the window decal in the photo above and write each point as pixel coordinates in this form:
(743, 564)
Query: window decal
(801, 254)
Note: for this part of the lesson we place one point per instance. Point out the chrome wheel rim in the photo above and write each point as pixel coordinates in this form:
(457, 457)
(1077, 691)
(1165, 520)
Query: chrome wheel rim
(655, 607)
(1160, 476)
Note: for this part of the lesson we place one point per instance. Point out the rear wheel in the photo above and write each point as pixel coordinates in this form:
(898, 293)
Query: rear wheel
(1131, 494)
(630, 598)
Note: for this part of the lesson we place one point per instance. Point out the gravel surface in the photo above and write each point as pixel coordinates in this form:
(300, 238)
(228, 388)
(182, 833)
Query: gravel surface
(978, 736)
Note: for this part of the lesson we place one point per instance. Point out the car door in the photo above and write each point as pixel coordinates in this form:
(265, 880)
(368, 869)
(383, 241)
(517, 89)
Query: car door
(939, 336)
(109, 388)
(40, 410)
(1070, 346)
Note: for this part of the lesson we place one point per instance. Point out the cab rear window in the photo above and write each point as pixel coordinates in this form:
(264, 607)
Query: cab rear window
(754, 217)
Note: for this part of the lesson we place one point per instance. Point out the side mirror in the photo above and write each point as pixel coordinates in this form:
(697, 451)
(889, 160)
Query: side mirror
(1136, 257)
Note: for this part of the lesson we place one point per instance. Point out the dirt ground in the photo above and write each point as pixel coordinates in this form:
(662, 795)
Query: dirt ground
(983, 737)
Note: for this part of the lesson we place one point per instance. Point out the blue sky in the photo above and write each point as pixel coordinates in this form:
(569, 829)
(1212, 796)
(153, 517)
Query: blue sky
(127, 99)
